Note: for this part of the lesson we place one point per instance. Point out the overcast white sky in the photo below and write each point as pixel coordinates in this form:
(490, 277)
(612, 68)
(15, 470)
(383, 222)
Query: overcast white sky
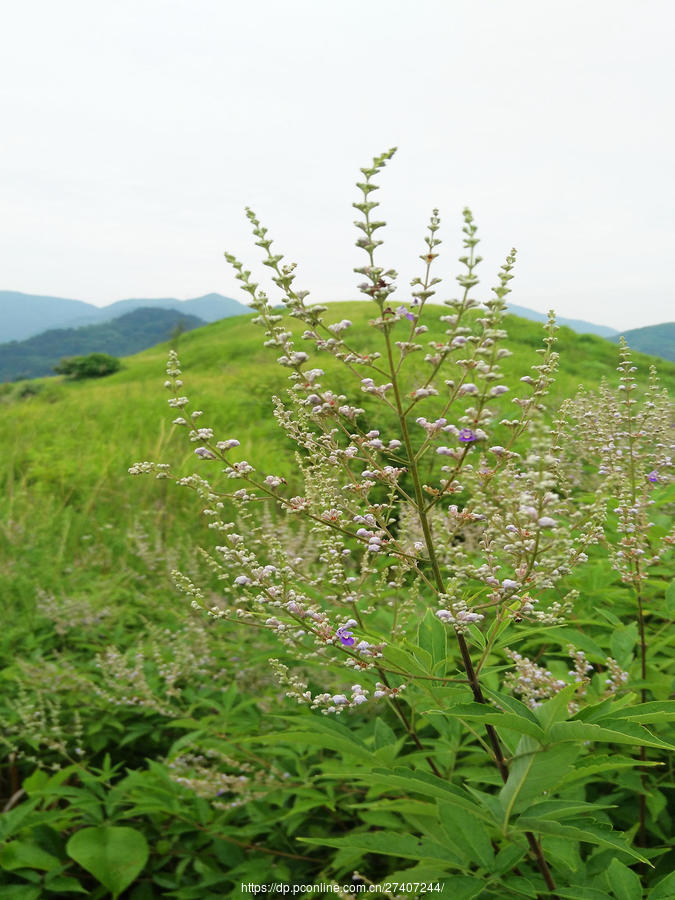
(134, 133)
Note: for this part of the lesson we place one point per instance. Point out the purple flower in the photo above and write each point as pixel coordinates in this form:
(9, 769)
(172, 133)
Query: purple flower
(347, 639)
(466, 436)
(403, 311)
(653, 477)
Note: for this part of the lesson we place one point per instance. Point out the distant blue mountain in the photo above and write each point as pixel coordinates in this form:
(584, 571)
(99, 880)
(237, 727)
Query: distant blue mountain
(578, 325)
(129, 333)
(25, 315)
(657, 340)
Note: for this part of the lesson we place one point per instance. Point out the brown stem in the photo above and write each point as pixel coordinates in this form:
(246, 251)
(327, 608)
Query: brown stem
(642, 829)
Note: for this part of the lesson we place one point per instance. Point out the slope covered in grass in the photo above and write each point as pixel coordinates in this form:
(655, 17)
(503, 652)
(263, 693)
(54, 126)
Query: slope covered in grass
(67, 446)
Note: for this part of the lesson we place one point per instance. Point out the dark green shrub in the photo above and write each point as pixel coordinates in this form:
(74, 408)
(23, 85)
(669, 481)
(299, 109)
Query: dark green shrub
(95, 365)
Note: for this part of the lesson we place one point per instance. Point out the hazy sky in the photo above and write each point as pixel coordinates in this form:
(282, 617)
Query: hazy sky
(133, 134)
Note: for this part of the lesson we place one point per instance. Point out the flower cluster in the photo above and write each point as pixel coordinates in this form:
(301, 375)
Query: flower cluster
(427, 479)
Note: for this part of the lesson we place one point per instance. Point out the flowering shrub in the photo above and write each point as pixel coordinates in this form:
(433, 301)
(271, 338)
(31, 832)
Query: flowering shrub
(443, 525)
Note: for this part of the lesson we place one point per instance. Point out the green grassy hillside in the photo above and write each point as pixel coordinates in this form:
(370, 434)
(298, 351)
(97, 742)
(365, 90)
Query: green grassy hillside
(67, 446)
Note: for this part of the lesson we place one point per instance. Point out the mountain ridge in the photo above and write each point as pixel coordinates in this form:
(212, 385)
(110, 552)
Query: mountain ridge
(657, 340)
(581, 326)
(23, 316)
(123, 336)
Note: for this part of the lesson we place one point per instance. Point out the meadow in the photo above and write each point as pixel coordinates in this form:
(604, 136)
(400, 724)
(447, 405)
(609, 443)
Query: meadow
(148, 747)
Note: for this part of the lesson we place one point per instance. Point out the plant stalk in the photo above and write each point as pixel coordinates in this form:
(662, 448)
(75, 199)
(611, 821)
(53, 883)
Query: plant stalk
(493, 738)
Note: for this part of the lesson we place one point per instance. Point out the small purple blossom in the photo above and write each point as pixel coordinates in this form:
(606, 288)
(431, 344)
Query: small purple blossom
(467, 436)
(653, 477)
(404, 311)
(347, 639)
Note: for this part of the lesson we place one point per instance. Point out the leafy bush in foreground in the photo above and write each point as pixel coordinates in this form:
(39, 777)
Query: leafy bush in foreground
(450, 521)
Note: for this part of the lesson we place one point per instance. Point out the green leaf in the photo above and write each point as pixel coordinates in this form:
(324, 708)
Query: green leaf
(624, 883)
(594, 764)
(534, 769)
(26, 855)
(578, 639)
(459, 887)
(670, 599)
(664, 889)
(556, 709)
(591, 834)
(622, 642)
(426, 784)
(22, 892)
(507, 858)
(467, 833)
(404, 661)
(487, 715)
(312, 739)
(65, 884)
(582, 892)
(563, 809)
(511, 704)
(432, 637)
(390, 843)
(114, 855)
(654, 711)
(35, 782)
(619, 733)
(384, 735)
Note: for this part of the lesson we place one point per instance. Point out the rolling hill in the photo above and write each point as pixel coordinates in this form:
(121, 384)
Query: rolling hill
(232, 377)
(122, 336)
(67, 446)
(659, 340)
